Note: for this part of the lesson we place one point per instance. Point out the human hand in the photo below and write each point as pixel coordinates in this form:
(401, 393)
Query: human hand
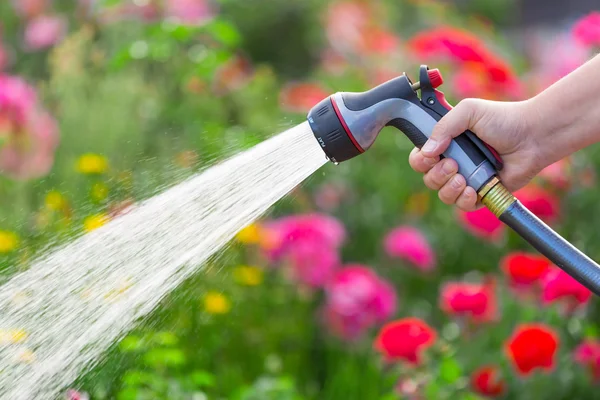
(509, 127)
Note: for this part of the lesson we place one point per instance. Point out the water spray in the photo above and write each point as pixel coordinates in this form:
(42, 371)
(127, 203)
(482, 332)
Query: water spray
(347, 124)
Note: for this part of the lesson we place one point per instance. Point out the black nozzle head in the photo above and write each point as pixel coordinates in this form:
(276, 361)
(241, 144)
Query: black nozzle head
(331, 133)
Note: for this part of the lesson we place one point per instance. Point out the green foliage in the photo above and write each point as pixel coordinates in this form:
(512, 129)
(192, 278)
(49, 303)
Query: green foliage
(149, 97)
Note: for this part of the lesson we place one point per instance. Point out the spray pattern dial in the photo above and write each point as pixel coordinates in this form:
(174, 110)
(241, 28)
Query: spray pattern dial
(347, 124)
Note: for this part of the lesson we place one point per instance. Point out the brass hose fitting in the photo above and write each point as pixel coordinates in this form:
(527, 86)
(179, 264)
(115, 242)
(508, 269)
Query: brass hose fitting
(496, 197)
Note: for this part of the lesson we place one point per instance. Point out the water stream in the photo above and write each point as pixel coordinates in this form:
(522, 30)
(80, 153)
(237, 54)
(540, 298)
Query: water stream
(60, 315)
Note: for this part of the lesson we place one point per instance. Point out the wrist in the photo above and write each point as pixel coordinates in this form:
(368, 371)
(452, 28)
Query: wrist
(548, 131)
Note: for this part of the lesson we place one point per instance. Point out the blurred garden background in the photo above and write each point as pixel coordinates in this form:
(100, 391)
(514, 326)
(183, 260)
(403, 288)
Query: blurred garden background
(360, 284)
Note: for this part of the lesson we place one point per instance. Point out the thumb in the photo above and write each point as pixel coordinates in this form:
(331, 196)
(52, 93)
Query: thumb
(462, 117)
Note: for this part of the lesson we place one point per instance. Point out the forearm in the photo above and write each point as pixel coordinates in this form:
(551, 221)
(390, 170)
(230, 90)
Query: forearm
(567, 114)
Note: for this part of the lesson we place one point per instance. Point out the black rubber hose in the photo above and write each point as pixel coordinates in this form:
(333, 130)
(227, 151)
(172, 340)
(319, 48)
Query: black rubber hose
(553, 246)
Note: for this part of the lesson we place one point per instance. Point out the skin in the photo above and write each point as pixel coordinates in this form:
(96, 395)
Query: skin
(529, 135)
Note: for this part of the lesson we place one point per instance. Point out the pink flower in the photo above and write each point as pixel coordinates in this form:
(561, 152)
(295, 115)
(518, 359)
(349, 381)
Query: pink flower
(312, 263)
(475, 301)
(588, 355)
(73, 394)
(555, 57)
(558, 285)
(345, 24)
(281, 234)
(44, 31)
(28, 134)
(408, 243)
(308, 244)
(190, 12)
(31, 8)
(482, 223)
(587, 30)
(357, 299)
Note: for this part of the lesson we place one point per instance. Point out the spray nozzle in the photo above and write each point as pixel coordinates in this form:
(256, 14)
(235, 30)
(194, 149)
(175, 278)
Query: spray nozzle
(347, 124)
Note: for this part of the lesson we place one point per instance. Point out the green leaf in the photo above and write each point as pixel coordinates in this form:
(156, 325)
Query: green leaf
(432, 391)
(137, 378)
(202, 378)
(165, 338)
(129, 393)
(450, 370)
(183, 33)
(108, 3)
(225, 32)
(165, 357)
(131, 343)
(590, 331)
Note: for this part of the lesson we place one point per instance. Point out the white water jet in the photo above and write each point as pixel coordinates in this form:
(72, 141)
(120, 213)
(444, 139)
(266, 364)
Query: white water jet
(73, 303)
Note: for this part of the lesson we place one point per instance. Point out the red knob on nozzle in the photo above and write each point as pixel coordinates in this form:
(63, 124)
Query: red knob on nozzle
(435, 77)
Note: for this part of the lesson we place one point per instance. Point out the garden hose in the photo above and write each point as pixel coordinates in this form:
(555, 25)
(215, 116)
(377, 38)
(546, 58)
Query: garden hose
(347, 124)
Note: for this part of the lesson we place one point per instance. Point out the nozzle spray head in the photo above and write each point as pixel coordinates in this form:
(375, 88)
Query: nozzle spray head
(347, 124)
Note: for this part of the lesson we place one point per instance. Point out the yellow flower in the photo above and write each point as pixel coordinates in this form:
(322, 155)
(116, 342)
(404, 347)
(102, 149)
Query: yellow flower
(249, 235)
(248, 275)
(12, 336)
(91, 163)
(99, 191)
(216, 303)
(8, 241)
(94, 222)
(55, 201)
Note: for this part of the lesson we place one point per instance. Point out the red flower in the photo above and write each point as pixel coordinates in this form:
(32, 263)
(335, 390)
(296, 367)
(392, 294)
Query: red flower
(557, 285)
(405, 339)
(301, 97)
(532, 347)
(588, 355)
(477, 301)
(482, 223)
(486, 381)
(469, 51)
(542, 203)
(587, 30)
(524, 269)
